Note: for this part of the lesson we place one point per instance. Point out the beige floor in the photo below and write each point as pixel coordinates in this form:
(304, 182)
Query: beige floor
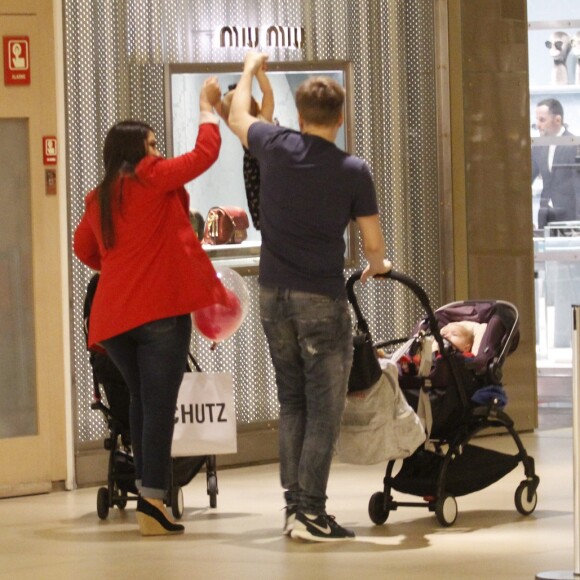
(58, 536)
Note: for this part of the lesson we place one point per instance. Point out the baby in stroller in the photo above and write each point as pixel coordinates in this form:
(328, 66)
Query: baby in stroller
(458, 335)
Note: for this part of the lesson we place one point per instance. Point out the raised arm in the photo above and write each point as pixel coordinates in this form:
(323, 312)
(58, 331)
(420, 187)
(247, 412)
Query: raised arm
(267, 108)
(175, 172)
(209, 98)
(373, 246)
(220, 111)
(240, 119)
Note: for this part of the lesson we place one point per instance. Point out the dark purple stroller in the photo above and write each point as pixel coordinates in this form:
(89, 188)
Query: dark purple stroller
(114, 406)
(457, 398)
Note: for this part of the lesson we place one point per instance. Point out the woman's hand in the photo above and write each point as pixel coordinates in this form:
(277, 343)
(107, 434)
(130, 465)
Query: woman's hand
(255, 61)
(210, 94)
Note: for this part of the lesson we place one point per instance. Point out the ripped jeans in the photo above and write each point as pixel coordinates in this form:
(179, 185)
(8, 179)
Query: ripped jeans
(310, 341)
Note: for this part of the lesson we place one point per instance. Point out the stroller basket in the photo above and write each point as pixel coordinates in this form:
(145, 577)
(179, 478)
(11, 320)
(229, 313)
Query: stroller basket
(475, 469)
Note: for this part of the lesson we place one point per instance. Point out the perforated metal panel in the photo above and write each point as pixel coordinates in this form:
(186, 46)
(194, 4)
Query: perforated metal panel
(115, 53)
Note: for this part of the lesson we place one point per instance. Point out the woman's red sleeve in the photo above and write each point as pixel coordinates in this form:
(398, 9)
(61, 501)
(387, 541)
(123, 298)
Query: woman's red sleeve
(169, 174)
(86, 247)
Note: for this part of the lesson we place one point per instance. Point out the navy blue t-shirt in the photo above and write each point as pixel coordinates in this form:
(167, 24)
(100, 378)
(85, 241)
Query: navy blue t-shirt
(309, 191)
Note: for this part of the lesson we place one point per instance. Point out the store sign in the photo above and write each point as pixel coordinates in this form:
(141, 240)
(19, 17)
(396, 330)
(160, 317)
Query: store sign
(49, 150)
(16, 60)
(254, 36)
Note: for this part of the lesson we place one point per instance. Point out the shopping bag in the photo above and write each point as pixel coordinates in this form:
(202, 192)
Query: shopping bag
(378, 424)
(205, 416)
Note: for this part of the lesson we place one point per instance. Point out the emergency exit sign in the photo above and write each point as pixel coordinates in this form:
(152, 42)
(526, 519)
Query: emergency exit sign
(16, 60)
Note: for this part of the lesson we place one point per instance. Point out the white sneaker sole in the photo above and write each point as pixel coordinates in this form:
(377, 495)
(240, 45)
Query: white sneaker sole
(289, 525)
(308, 537)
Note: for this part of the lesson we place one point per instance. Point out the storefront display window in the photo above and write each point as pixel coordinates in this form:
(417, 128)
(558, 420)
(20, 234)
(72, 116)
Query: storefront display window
(554, 73)
(223, 184)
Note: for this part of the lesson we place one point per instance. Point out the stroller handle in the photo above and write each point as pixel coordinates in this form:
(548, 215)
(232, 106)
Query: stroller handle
(406, 281)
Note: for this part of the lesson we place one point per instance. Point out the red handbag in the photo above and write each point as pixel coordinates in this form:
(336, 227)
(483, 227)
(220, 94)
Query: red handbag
(226, 225)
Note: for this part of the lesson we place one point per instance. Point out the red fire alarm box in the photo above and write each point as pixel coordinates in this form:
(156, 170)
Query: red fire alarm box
(49, 150)
(16, 60)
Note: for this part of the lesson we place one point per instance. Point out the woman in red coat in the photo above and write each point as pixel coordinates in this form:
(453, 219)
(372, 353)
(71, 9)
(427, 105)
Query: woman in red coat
(154, 274)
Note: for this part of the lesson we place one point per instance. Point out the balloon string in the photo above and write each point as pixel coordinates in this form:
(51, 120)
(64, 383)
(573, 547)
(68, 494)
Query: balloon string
(213, 345)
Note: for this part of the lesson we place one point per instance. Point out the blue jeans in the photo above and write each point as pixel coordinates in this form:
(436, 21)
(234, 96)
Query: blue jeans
(152, 359)
(310, 341)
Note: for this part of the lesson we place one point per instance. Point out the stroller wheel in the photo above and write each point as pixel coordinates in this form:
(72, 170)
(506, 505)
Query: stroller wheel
(524, 503)
(121, 504)
(377, 510)
(177, 502)
(446, 510)
(103, 503)
(212, 490)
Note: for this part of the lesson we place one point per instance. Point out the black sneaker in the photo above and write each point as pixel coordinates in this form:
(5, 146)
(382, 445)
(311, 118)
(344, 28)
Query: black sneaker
(322, 528)
(289, 518)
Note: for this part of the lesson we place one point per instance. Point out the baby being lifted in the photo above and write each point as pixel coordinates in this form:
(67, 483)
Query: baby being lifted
(251, 168)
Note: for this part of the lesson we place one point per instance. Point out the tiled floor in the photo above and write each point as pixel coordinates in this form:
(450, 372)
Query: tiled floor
(58, 536)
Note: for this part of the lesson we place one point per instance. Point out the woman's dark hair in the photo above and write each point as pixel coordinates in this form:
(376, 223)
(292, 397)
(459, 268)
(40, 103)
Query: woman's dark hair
(125, 146)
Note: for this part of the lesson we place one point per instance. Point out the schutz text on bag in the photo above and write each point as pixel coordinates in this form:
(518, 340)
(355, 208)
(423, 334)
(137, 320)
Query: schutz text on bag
(200, 412)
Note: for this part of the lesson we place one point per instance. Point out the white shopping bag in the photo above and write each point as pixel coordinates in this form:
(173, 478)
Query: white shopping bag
(205, 416)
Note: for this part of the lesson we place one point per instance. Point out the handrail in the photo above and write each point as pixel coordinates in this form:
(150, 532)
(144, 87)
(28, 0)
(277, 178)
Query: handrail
(406, 281)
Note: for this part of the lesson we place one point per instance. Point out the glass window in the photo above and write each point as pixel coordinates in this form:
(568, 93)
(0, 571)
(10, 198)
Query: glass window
(223, 184)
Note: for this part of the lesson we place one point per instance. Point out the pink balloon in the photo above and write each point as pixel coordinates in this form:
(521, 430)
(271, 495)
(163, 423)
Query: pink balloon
(218, 322)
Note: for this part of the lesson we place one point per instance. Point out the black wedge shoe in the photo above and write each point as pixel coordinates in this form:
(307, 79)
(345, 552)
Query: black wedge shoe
(153, 522)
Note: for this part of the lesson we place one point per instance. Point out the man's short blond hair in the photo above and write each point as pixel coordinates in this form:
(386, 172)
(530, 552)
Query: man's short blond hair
(320, 101)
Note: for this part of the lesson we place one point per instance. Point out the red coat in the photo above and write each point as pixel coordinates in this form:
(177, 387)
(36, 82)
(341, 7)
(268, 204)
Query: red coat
(157, 267)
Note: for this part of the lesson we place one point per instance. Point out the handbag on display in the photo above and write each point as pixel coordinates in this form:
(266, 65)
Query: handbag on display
(205, 416)
(226, 225)
(378, 424)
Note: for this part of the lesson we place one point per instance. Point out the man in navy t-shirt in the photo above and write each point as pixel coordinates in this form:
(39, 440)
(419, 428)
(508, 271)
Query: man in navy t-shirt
(309, 191)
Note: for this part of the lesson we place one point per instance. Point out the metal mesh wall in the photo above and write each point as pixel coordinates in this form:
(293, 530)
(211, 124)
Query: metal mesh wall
(115, 53)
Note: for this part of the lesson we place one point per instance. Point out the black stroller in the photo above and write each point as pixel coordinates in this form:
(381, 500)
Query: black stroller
(460, 397)
(115, 408)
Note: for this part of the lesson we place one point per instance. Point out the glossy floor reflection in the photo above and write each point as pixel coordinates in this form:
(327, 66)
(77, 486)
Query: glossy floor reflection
(58, 536)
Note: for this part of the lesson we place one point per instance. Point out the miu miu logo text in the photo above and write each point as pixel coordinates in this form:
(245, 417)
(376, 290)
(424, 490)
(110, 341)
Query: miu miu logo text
(251, 37)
